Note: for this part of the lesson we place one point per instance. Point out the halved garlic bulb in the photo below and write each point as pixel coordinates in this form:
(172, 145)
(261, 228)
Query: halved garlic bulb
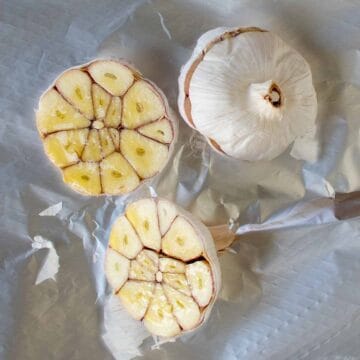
(248, 92)
(106, 127)
(162, 265)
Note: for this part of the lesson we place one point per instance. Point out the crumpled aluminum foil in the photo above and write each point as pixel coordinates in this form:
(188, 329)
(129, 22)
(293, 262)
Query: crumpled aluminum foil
(289, 282)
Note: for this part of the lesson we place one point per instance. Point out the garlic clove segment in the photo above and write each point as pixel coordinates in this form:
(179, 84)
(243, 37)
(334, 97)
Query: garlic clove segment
(124, 239)
(143, 217)
(136, 296)
(169, 295)
(107, 129)
(117, 268)
(258, 104)
(159, 318)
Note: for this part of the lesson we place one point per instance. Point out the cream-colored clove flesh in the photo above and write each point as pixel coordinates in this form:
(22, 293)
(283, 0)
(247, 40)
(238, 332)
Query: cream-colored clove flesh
(106, 127)
(162, 265)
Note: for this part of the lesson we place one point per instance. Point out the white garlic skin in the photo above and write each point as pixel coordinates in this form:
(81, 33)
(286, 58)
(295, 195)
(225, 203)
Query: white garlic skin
(228, 90)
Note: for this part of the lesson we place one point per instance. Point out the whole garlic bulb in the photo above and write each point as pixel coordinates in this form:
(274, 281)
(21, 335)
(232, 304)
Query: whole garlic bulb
(248, 93)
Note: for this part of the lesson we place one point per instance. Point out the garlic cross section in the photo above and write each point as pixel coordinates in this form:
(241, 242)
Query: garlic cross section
(248, 92)
(162, 265)
(106, 127)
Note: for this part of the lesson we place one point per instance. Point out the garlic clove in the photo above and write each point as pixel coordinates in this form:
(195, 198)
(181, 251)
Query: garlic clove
(124, 239)
(159, 319)
(115, 136)
(139, 272)
(144, 155)
(182, 241)
(92, 151)
(107, 145)
(136, 296)
(114, 77)
(75, 86)
(178, 282)
(170, 265)
(185, 309)
(83, 177)
(167, 213)
(117, 269)
(113, 114)
(55, 114)
(141, 105)
(143, 217)
(159, 130)
(199, 277)
(149, 259)
(117, 176)
(101, 101)
(64, 148)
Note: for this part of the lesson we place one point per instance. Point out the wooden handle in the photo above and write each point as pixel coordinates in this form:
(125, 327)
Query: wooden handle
(222, 236)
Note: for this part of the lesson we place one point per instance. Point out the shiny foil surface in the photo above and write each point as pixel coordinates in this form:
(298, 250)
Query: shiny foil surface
(290, 281)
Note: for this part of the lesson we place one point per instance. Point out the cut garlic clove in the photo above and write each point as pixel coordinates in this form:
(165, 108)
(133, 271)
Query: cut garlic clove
(199, 277)
(123, 238)
(141, 105)
(117, 269)
(261, 101)
(167, 213)
(143, 217)
(139, 272)
(101, 101)
(56, 114)
(75, 86)
(149, 259)
(65, 147)
(92, 150)
(80, 120)
(178, 282)
(182, 241)
(185, 309)
(160, 130)
(113, 115)
(107, 145)
(84, 177)
(143, 154)
(145, 266)
(113, 76)
(159, 318)
(115, 136)
(136, 296)
(117, 176)
(169, 265)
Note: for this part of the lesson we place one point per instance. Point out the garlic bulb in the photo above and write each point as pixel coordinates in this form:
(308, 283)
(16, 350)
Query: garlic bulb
(106, 127)
(248, 93)
(162, 265)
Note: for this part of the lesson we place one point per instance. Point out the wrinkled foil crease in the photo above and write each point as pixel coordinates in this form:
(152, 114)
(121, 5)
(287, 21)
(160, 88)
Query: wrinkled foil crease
(289, 282)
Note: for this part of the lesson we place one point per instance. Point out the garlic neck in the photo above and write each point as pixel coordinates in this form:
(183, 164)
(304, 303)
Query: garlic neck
(266, 99)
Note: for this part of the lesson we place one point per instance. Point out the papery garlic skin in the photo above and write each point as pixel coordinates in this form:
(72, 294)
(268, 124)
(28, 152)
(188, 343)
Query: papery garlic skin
(248, 93)
(171, 291)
